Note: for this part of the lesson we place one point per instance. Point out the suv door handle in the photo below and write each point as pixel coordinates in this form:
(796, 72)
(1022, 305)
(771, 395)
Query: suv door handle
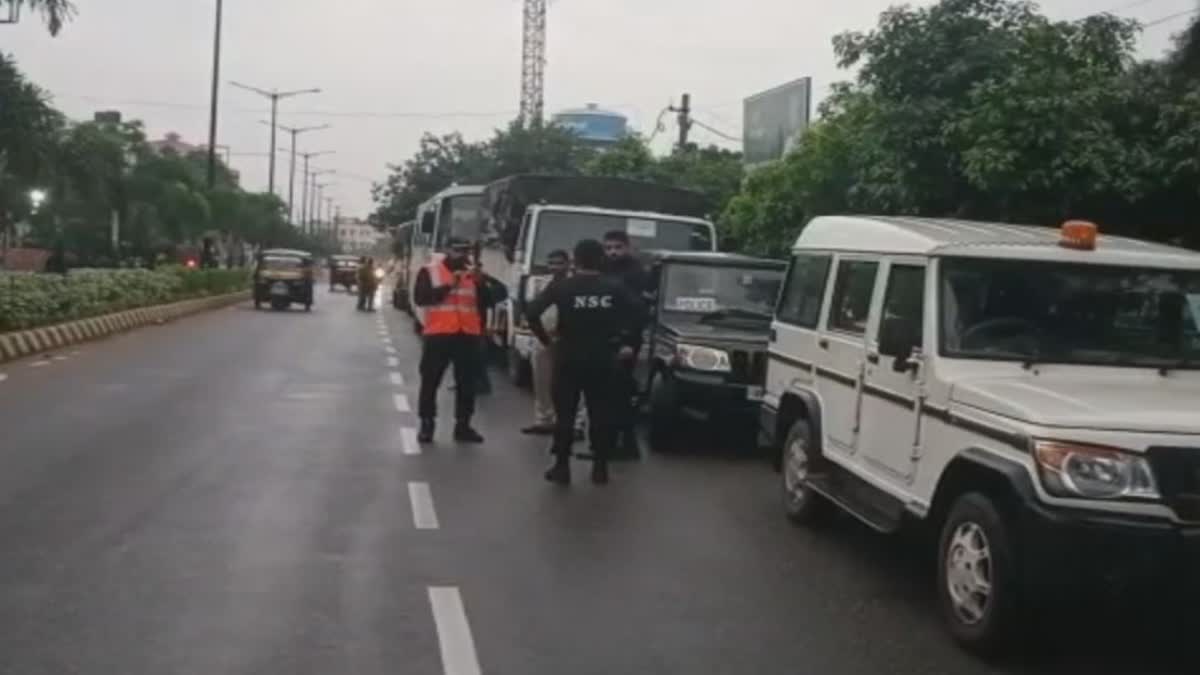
(823, 343)
(873, 358)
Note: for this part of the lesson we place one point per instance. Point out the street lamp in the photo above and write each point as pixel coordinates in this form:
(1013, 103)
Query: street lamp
(315, 206)
(36, 198)
(307, 179)
(212, 112)
(295, 131)
(274, 95)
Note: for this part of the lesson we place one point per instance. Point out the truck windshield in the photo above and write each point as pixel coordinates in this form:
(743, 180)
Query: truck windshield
(1070, 313)
(460, 218)
(562, 230)
(708, 290)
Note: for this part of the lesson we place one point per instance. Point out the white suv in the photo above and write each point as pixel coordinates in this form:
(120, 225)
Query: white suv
(1033, 394)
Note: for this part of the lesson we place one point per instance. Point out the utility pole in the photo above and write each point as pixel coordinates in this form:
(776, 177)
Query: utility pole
(685, 119)
(274, 95)
(212, 111)
(315, 207)
(295, 131)
(307, 180)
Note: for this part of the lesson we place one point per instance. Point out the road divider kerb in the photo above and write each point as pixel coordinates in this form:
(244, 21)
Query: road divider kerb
(19, 344)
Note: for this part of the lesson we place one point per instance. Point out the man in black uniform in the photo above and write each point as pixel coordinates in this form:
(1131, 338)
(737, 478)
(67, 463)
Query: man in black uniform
(622, 266)
(452, 334)
(599, 323)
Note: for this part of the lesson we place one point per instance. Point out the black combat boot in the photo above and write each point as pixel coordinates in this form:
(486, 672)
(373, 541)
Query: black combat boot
(425, 435)
(463, 433)
(600, 471)
(560, 471)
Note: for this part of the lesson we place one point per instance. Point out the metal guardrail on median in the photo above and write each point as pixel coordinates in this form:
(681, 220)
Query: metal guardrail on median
(18, 344)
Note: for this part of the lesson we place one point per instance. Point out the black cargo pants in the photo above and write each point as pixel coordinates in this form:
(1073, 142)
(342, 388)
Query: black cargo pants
(598, 381)
(437, 353)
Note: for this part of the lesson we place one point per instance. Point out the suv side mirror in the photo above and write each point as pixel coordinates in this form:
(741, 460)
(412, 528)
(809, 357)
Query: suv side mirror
(427, 222)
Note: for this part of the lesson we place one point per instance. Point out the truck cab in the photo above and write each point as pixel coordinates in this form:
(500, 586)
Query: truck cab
(534, 215)
(710, 322)
(1028, 394)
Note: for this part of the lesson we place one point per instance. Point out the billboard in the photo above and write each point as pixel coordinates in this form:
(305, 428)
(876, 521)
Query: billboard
(774, 119)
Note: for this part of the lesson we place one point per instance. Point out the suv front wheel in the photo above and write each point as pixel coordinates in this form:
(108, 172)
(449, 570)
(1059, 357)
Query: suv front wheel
(802, 505)
(978, 585)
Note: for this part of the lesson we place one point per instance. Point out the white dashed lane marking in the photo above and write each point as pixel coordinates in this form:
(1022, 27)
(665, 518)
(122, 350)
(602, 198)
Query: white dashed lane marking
(39, 364)
(393, 362)
(387, 341)
(424, 515)
(454, 632)
(397, 379)
(401, 402)
(3, 377)
(389, 349)
(408, 439)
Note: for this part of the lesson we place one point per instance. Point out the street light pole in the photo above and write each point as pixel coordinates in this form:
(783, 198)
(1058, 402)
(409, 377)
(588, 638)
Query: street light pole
(295, 131)
(314, 209)
(274, 95)
(212, 113)
(307, 179)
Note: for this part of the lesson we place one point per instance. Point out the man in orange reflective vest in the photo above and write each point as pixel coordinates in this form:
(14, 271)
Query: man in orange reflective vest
(455, 299)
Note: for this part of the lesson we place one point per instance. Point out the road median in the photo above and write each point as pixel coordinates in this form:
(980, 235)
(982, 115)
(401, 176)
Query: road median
(22, 343)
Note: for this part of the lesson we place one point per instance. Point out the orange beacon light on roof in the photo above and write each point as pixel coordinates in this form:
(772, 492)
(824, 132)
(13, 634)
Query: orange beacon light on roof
(1078, 234)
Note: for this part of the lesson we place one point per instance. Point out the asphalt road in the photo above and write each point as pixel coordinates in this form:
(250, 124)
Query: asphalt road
(238, 492)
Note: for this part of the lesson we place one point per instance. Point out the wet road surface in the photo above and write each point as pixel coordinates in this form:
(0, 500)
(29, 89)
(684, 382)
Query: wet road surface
(240, 492)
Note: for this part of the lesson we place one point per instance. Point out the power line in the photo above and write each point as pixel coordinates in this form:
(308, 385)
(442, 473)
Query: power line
(179, 105)
(1170, 17)
(715, 131)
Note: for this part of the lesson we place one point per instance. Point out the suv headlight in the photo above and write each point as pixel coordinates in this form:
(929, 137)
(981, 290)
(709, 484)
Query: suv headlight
(1093, 472)
(702, 358)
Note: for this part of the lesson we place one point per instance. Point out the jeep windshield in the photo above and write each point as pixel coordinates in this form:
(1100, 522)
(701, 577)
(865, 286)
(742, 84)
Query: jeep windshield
(460, 218)
(718, 293)
(1081, 314)
(563, 229)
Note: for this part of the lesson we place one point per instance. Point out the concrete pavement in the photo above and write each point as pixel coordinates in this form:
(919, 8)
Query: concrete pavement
(241, 492)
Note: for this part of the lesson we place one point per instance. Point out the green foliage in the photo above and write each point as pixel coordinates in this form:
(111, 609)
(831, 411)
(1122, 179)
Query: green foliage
(32, 300)
(986, 109)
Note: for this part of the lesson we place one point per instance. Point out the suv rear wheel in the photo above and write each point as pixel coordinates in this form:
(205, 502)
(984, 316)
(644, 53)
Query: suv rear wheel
(978, 587)
(802, 505)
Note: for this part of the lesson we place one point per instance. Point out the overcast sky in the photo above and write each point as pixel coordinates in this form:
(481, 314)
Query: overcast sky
(393, 69)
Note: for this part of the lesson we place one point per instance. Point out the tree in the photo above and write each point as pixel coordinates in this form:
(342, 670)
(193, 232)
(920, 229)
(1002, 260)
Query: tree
(986, 109)
(54, 12)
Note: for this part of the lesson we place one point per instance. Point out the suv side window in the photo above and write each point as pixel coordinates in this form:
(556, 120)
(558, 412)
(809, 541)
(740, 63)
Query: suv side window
(852, 290)
(902, 327)
(800, 302)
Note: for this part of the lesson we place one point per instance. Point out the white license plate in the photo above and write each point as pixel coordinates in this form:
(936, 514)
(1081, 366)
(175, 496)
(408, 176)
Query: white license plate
(279, 288)
(754, 393)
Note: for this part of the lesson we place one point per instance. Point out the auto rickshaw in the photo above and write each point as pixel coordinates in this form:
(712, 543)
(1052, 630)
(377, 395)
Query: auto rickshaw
(283, 276)
(343, 271)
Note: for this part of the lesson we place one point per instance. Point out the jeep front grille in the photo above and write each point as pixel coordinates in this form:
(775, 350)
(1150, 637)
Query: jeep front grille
(747, 367)
(1177, 471)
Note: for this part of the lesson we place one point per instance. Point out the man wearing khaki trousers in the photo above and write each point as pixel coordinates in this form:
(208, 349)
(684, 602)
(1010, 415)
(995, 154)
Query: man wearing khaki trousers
(542, 364)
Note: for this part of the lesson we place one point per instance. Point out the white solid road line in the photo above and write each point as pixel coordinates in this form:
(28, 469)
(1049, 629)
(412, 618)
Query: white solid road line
(424, 516)
(454, 633)
(408, 439)
(393, 362)
(397, 379)
(401, 402)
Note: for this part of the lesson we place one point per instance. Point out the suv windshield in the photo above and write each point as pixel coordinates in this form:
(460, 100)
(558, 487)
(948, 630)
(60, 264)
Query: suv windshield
(708, 290)
(562, 230)
(1070, 313)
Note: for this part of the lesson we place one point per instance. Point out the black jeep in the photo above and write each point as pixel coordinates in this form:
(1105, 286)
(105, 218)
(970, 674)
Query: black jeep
(710, 321)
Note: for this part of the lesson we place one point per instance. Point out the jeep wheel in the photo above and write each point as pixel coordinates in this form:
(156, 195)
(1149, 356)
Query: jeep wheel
(663, 418)
(977, 578)
(802, 505)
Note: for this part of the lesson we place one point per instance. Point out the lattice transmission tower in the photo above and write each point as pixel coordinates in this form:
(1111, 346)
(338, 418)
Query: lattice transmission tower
(533, 62)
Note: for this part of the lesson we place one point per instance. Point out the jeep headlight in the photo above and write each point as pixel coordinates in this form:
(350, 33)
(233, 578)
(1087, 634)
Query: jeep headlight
(702, 358)
(1093, 472)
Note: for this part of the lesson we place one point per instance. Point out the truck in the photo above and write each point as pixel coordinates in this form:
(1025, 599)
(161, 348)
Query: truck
(527, 216)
